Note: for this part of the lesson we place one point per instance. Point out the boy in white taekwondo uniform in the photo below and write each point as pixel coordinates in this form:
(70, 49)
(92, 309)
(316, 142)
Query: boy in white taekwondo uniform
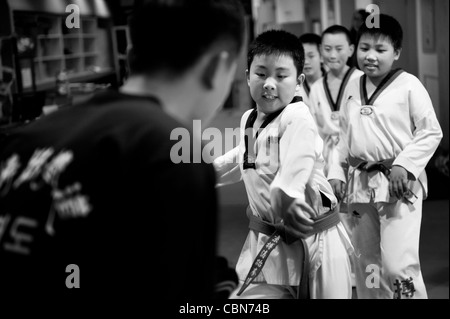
(312, 69)
(326, 94)
(295, 236)
(389, 133)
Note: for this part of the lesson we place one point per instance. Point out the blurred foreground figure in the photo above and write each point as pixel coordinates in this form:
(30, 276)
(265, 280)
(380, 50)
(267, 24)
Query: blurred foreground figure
(90, 196)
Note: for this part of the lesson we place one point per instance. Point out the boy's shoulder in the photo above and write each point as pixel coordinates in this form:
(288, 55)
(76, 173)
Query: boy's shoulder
(357, 73)
(246, 114)
(295, 110)
(404, 78)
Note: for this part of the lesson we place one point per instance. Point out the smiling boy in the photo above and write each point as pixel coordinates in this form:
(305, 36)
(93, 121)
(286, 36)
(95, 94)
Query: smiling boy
(296, 246)
(389, 132)
(312, 70)
(326, 95)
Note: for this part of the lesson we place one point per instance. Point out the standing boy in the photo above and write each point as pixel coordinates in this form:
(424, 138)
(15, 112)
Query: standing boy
(389, 132)
(295, 236)
(326, 94)
(313, 69)
(92, 189)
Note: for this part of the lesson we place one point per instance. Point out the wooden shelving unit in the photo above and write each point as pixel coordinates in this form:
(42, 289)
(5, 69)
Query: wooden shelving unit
(84, 52)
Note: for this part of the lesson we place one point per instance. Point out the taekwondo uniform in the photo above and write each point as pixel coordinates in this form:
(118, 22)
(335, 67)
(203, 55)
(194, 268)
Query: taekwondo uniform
(304, 90)
(283, 161)
(397, 125)
(326, 112)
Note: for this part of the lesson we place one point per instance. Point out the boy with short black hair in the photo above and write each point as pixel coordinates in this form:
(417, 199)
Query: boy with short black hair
(94, 185)
(296, 239)
(326, 94)
(313, 69)
(389, 132)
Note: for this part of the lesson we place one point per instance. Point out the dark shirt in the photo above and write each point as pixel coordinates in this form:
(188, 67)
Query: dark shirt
(94, 185)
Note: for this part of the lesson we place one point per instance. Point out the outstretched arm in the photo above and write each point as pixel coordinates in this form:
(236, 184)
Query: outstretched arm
(297, 159)
(227, 168)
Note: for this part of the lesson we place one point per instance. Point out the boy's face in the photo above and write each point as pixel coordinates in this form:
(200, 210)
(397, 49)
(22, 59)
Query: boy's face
(336, 50)
(376, 55)
(312, 60)
(272, 80)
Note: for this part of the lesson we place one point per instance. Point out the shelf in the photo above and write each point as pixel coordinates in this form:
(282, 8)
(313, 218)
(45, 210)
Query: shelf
(50, 36)
(71, 36)
(50, 84)
(79, 51)
(48, 58)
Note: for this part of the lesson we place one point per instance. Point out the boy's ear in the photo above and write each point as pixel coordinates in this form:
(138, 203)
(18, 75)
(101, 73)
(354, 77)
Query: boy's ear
(397, 54)
(216, 63)
(300, 79)
(247, 75)
(352, 49)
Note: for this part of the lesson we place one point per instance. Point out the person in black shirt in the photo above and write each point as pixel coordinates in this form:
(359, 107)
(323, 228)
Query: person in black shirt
(90, 195)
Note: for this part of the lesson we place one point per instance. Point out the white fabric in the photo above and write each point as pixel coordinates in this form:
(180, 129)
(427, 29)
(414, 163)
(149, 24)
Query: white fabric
(386, 235)
(400, 125)
(288, 157)
(329, 281)
(326, 119)
(403, 126)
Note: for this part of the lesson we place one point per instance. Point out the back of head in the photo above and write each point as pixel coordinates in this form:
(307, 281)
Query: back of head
(363, 14)
(388, 28)
(311, 38)
(338, 29)
(171, 35)
(277, 42)
(359, 17)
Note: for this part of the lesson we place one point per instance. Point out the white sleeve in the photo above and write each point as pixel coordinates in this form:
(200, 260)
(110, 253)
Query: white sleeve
(297, 159)
(427, 132)
(227, 168)
(317, 110)
(338, 170)
(313, 101)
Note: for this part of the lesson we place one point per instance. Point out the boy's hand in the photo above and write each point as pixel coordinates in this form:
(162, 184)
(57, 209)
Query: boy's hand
(298, 218)
(398, 179)
(338, 188)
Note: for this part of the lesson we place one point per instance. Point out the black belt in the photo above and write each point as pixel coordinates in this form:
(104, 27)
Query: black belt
(383, 166)
(279, 232)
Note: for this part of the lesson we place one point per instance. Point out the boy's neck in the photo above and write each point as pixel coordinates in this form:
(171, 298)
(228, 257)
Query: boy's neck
(313, 78)
(261, 116)
(339, 74)
(377, 80)
(176, 105)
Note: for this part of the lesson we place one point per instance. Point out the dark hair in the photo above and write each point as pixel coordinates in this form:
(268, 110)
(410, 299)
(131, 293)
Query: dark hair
(389, 27)
(336, 29)
(363, 13)
(277, 42)
(311, 38)
(173, 34)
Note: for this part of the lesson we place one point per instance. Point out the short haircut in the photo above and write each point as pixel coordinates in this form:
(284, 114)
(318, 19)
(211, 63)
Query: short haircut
(364, 14)
(311, 38)
(389, 27)
(336, 29)
(277, 42)
(171, 35)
